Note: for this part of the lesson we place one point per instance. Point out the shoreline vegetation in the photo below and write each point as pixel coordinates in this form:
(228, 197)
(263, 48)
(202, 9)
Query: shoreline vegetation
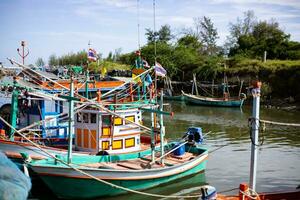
(254, 50)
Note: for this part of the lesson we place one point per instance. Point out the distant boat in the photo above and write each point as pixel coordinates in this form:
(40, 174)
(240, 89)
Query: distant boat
(209, 101)
(175, 98)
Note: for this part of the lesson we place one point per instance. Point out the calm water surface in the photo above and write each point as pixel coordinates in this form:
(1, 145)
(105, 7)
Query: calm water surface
(278, 157)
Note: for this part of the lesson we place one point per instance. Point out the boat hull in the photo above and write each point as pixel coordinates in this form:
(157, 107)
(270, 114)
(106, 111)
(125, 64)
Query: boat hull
(68, 183)
(174, 98)
(192, 99)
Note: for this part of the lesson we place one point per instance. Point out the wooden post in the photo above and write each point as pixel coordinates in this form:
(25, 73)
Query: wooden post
(131, 93)
(265, 56)
(99, 96)
(195, 83)
(212, 87)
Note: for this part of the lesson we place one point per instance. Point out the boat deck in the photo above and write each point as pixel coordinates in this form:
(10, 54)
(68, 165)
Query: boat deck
(142, 163)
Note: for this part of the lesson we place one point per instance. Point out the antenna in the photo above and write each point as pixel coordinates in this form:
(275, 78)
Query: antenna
(154, 27)
(138, 23)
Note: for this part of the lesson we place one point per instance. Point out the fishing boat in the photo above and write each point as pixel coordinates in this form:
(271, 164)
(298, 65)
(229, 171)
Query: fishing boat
(210, 101)
(225, 101)
(131, 168)
(245, 193)
(133, 171)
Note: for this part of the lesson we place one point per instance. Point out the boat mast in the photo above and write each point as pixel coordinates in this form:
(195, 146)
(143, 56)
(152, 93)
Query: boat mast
(71, 119)
(14, 110)
(254, 133)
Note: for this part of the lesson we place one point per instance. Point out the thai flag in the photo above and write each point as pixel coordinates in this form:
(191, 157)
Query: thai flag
(159, 70)
(92, 55)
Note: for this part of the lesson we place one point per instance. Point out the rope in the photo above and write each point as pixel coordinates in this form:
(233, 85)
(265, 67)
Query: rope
(93, 177)
(247, 194)
(279, 123)
(252, 121)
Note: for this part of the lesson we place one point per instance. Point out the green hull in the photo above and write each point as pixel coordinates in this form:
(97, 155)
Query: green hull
(88, 188)
(192, 99)
(175, 98)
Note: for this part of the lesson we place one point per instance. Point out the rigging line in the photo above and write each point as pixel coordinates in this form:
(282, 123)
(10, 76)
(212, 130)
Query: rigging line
(279, 123)
(94, 177)
(92, 100)
(38, 123)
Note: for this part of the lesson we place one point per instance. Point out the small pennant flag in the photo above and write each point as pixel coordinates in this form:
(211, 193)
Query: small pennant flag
(159, 70)
(92, 55)
(145, 64)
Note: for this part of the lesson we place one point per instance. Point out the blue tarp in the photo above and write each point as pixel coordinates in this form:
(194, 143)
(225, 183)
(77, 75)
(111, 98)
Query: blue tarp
(14, 184)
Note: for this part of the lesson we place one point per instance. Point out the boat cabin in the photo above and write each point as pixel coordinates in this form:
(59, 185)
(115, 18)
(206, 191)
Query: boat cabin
(100, 132)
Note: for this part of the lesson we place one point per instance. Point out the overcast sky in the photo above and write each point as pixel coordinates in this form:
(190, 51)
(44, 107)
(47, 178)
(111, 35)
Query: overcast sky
(62, 26)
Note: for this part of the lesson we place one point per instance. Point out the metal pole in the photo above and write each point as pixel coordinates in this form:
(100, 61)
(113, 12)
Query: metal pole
(254, 134)
(162, 128)
(87, 80)
(71, 120)
(152, 132)
(14, 111)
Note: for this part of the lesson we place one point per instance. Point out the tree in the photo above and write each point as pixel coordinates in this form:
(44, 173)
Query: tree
(242, 26)
(163, 35)
(265, 36)
(190, 41)
(53, 60)
(40, 62)
(208, 35)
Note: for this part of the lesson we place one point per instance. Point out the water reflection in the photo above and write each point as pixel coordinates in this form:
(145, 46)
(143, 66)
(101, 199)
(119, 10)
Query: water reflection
(279, 156)
(191, 182)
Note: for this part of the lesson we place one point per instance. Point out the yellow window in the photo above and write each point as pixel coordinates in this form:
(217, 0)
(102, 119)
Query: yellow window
(130, 118)
(85, 138)
(93, 139)
(78, 136)
(105, 131)
(118, 121)
(117, 144)
(105, 145)
(129, 142)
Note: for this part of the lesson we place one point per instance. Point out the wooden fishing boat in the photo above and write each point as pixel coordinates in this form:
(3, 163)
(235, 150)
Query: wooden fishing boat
(126, 170)
(208, 101)
(175, 98)
(244, 193)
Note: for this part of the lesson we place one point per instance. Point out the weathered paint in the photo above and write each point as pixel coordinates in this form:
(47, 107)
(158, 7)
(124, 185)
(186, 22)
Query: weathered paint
(67, 183)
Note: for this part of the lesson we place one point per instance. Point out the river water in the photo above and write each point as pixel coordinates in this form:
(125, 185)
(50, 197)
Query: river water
(278, 157)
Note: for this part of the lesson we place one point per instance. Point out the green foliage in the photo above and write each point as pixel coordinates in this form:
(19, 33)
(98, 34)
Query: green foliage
(210, 68)
(250, 39)
(163, 35)
(79, 58)
(53, 60)
(281, 76)
(40, 62)
(208, 35)
(109, 65)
